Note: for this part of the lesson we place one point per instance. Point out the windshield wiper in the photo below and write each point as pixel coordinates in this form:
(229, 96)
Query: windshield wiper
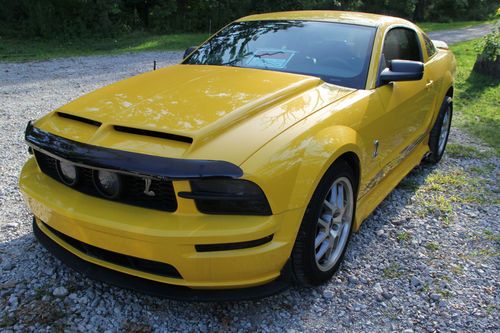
(232, 62)
(268, 54)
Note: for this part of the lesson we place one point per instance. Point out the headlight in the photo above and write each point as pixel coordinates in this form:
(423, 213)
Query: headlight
(67, 172)
(228, 196)
(107, 183)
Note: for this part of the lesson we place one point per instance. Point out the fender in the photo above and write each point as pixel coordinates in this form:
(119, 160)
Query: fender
(304, 160)
(448, 82)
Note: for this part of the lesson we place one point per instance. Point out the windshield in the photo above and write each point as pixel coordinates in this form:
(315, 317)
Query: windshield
(335, 52)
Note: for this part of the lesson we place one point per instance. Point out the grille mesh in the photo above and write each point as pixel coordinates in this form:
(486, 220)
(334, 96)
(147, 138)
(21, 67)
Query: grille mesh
(132, 186)
(144, 265)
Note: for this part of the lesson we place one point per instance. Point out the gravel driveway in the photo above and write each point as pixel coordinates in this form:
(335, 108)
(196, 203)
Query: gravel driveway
(426, 260)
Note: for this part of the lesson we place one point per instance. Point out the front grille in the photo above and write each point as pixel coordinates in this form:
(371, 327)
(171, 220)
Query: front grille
(143, 265)
(132, 186)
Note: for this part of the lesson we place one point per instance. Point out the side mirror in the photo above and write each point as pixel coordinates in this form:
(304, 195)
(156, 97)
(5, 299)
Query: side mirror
(188, 51)
(402, 70)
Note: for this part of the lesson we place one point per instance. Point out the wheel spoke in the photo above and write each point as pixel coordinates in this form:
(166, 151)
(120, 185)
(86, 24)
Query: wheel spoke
(340, 197)
(322, 250)
(320, 238)
(333, 195)
(329, 206)
(324, 224)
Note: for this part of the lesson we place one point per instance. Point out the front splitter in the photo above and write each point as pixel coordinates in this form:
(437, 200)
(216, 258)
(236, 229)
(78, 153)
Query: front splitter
(159, 289)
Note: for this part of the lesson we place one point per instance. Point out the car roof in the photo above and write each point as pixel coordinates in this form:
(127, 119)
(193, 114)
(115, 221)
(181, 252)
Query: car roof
(366, 19)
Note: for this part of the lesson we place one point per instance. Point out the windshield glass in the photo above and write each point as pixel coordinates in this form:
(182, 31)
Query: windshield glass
(337, 53)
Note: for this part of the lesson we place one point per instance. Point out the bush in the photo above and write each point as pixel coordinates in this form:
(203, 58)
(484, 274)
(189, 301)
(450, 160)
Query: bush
(488, 61)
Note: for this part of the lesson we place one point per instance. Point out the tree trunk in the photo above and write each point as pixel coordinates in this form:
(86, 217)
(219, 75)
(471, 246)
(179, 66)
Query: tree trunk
(487, 67)
(419, 12)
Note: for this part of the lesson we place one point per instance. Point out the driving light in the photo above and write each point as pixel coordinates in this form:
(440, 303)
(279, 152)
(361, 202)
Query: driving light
(108, 183)
(67, 172)
(228, 196)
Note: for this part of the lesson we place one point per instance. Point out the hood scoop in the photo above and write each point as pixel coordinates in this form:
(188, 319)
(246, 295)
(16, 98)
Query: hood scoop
(154, 134)
(80, 119)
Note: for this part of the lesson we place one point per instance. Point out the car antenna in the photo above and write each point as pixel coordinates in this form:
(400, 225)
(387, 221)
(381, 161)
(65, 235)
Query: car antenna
(154, 65)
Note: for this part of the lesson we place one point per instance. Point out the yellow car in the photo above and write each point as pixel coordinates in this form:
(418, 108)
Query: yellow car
(246, 167)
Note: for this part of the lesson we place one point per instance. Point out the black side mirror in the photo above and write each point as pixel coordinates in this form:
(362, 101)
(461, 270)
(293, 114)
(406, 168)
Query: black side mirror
(188, 51)
(402, 70)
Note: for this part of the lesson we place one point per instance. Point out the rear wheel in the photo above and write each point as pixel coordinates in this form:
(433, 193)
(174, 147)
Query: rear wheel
(326, 227)
(440, 132)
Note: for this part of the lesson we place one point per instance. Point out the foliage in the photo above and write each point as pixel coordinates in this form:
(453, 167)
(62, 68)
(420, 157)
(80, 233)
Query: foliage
(476, 97)
(106, 18)
(489, 49)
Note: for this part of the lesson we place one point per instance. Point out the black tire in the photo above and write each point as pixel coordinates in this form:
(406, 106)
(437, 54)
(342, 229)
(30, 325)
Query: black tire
(436, 153)
(303, 261)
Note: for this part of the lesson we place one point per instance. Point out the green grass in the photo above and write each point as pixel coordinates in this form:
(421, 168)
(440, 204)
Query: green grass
(432, 246)
(18, 50)
(403, 236)
(433, 26)
(466, 152)
(477, 97)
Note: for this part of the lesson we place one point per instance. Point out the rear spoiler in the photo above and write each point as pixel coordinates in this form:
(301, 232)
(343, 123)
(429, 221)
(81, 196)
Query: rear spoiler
(440, 44)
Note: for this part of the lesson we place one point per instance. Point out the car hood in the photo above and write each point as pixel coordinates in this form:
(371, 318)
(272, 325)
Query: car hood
(192, 111)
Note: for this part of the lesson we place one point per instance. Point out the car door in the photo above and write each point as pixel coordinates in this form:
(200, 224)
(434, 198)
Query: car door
(406, 104)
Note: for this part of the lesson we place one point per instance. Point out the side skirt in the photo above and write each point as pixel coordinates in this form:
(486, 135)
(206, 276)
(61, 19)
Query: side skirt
(370, 201)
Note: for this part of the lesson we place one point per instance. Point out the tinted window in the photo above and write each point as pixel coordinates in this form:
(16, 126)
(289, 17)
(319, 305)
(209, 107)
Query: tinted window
(401, 44)
(337, 53)
(429, 45)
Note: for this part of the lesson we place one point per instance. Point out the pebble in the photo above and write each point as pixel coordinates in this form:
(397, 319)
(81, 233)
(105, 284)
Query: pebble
(378, 288)
(327, 294)
(416, 281)
(60, 292)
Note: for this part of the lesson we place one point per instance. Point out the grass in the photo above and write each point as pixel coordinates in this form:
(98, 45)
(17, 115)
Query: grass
(403, 236)
(477, 97)
(455, 150)
(18, 50)
(432, 246)
(393, 271)
(433, 26)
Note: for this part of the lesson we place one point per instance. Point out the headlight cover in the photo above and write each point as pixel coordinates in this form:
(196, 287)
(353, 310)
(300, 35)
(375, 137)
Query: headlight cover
(228, 197)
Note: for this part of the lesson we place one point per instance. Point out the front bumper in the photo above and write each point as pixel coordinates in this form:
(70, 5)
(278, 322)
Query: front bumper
(161, 237)
(154, 288)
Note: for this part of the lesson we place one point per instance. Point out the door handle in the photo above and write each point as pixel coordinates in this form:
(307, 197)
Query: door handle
(429, 84)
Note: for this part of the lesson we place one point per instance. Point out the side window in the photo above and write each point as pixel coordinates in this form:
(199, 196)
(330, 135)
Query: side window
(429, 45)
(401, 44)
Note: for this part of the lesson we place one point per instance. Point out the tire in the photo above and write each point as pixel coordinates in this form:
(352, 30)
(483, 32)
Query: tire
(306, 268)
(440, 132)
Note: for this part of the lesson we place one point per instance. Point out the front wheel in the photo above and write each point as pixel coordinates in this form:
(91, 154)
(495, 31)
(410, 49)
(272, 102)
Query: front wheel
(326, 227)
(440, 132)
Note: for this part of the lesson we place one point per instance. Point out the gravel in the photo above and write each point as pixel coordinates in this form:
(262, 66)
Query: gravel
(425, 260)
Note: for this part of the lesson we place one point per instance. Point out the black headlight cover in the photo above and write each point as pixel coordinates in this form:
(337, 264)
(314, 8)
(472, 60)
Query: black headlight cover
(225, 196)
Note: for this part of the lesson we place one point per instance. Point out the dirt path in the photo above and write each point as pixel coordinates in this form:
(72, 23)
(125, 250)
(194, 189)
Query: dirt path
(461, 35)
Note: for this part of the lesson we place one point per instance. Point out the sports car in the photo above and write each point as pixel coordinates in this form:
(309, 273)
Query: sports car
(246, 167)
